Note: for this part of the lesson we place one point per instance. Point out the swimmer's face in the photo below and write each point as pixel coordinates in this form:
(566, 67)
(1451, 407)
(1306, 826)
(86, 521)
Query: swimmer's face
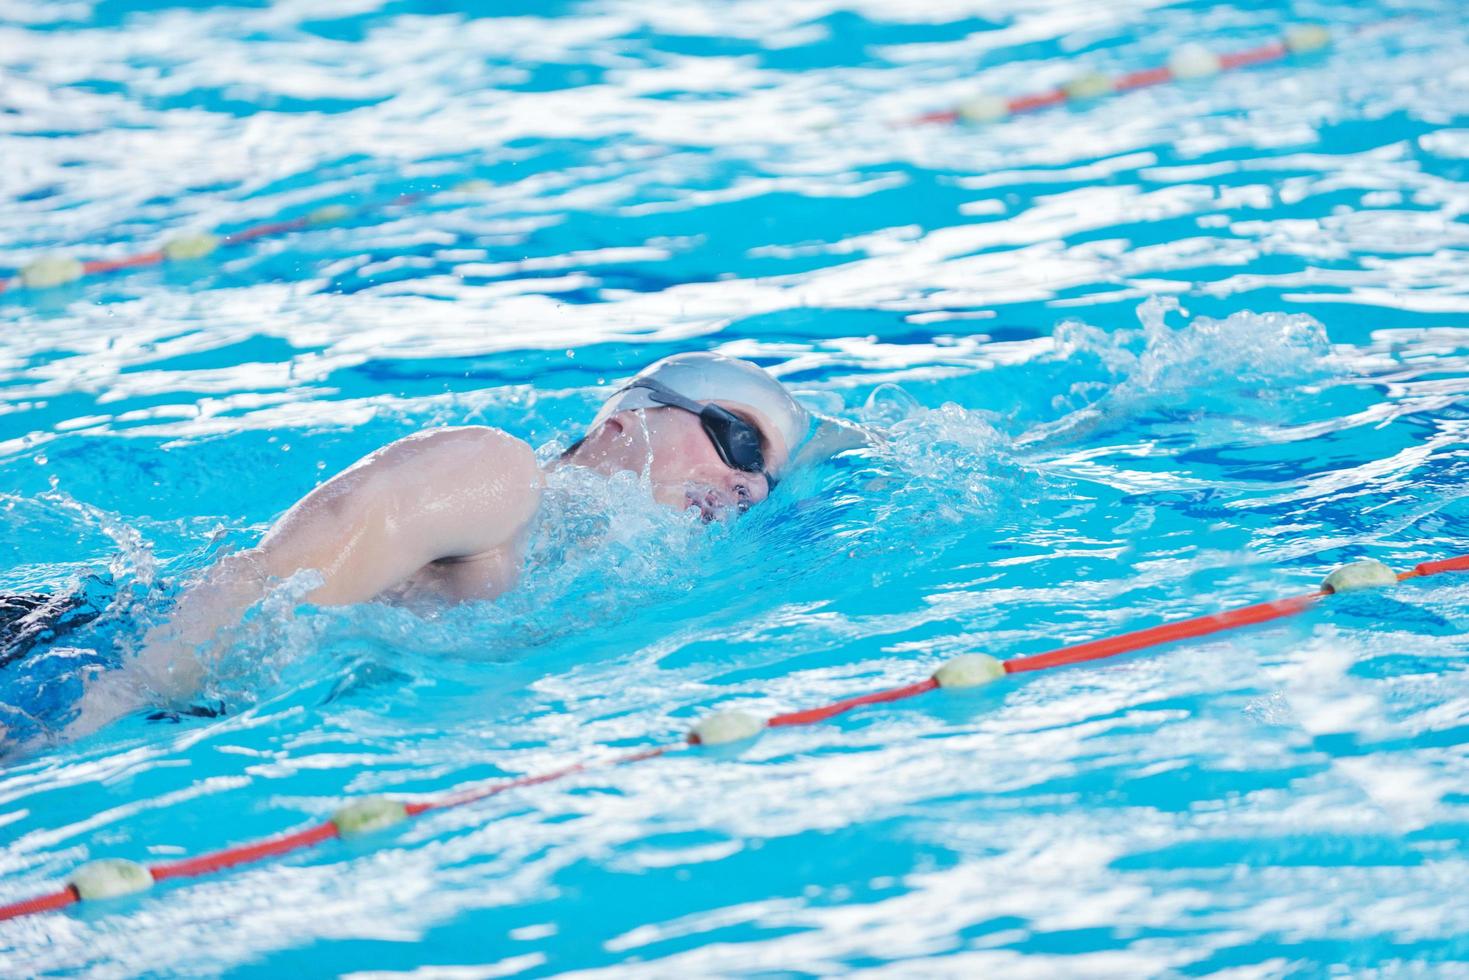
(685, 468)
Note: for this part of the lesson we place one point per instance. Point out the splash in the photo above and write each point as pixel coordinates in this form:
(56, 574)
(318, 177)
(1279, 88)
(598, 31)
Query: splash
(1212, 366)
(69, 623)
(599, 550)
(952, 453)
(603, 543)
(270, 639)
(1245, 350)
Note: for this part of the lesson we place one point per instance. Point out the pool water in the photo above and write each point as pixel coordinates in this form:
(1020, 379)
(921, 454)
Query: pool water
(1137, 358)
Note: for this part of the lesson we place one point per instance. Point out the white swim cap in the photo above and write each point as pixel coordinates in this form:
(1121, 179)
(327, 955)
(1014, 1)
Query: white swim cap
(709, 377)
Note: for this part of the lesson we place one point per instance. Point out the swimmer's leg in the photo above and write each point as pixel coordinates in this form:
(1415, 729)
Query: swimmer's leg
(31, 624)
(106, 696)
(37, 668)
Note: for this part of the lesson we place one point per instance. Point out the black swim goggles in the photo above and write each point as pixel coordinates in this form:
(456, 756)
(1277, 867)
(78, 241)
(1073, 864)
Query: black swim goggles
(736, 441)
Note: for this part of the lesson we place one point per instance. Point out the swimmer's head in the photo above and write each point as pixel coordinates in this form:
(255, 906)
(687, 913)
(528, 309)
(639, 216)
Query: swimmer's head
(722, 460)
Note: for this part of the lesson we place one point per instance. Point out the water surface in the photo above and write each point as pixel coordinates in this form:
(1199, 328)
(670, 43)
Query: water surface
(1140, 358)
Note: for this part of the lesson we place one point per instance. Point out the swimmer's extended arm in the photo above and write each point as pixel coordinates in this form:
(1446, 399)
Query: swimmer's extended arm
(441, 494)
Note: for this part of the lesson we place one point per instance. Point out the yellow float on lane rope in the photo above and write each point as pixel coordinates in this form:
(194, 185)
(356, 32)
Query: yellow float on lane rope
(1305, 38)
(51, 270)
(726, 727)
(1190, 61)
(368, 814)
(1359, 576)
(969, 670)
(110, 877)
(194, 245)
(1092, 85)
(329, 214)
(983, 109)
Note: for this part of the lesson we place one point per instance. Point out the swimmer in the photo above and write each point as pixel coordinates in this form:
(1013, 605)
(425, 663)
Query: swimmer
(446, 511)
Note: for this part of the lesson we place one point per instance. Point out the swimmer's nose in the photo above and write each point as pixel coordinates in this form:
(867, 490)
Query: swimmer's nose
(716, 503)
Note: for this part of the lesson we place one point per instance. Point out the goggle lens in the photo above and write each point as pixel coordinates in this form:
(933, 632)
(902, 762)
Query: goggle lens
(736, 440)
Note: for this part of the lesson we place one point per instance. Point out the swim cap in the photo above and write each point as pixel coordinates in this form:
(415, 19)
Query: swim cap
(709, 377)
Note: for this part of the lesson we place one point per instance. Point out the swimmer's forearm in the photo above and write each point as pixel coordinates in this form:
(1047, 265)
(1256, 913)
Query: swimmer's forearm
(176, 654)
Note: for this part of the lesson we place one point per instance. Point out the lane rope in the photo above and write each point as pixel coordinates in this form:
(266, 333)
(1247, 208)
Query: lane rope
(111, 877)
(1188, 62)
(51, 271)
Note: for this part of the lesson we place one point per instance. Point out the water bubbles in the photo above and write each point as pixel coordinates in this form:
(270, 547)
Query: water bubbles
(955, 455)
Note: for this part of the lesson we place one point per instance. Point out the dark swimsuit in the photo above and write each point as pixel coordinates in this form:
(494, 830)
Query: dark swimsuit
(42, 679)
(29, 620)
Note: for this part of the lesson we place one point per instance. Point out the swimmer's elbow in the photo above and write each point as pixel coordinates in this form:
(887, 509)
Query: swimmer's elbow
(512, 477)
(441, 493)
(485, 485)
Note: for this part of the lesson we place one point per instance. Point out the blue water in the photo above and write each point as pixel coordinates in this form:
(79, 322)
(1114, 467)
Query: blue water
(1142, 358)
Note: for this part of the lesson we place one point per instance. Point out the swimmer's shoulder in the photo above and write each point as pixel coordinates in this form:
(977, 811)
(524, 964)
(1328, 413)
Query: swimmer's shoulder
(467, 474)
(497, 455)
(468, 449)
(473, 441)
(449, 493)
(481, 455)
(498, 483)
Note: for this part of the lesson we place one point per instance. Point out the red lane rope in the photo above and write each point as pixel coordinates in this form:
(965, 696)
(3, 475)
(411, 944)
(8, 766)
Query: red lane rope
(41, 903)
(132, 261)
(245, 853)
(494, 789)
(263, 231)
(250, 233)
(1040, 100)
(940, 117)
(1166, 633)
(1423, 569)
(1274, 51)
(812, 715)
(316, 834)
(1142, 78)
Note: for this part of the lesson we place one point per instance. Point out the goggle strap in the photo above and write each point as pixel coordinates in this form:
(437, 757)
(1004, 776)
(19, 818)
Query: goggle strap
(664, 395)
